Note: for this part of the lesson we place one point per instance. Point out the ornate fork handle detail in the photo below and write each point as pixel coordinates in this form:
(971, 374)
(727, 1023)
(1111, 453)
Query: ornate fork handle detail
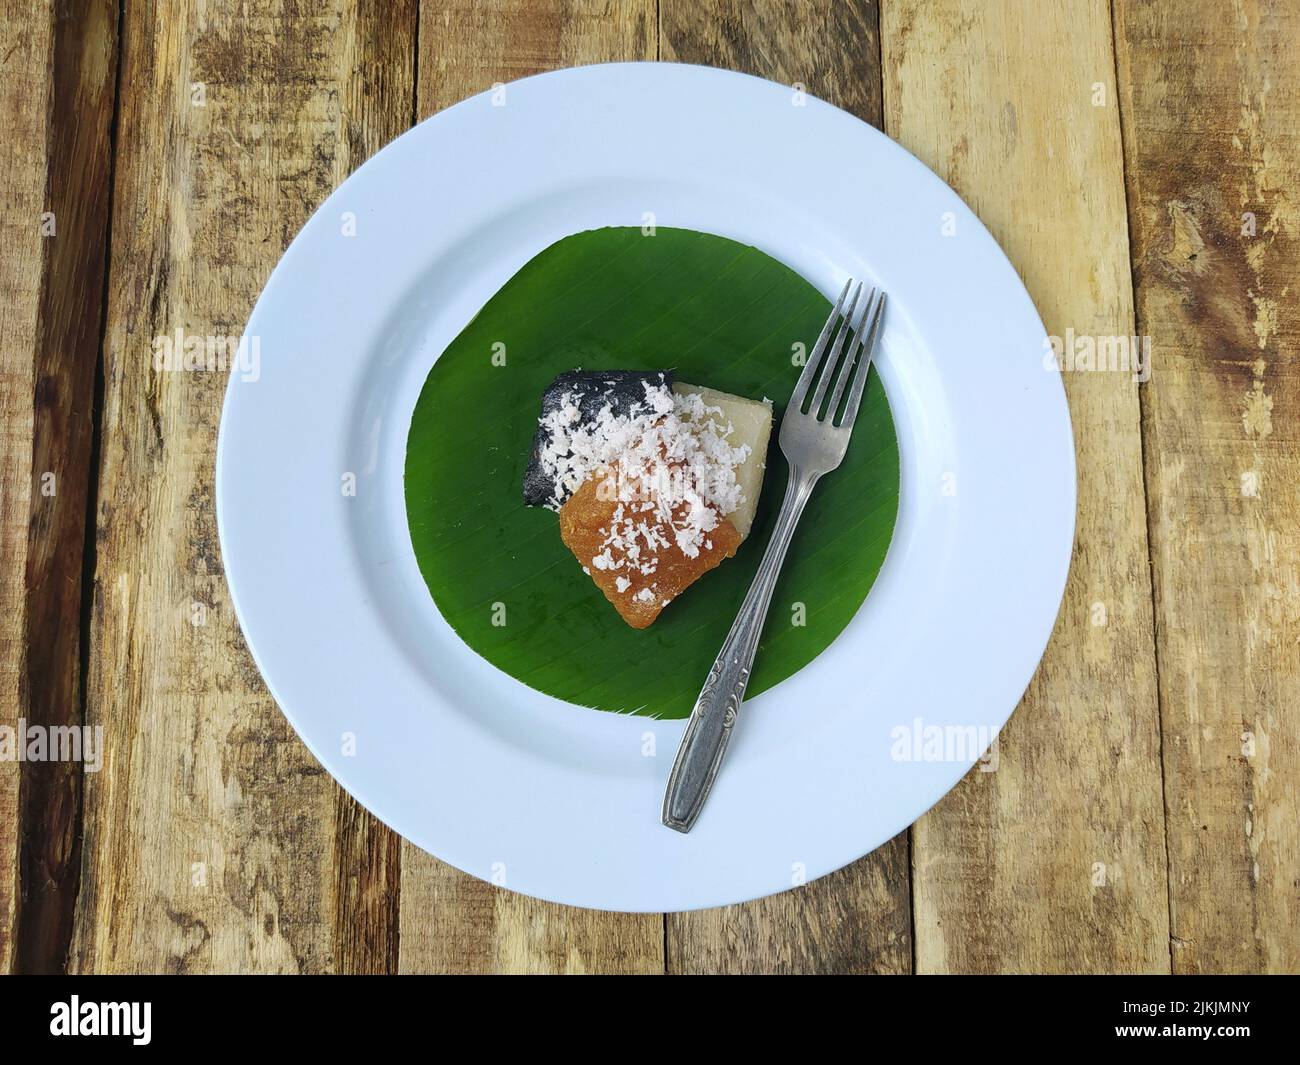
(716, 709)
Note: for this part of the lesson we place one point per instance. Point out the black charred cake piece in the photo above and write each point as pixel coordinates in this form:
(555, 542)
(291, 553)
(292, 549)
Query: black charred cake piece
(622, 391)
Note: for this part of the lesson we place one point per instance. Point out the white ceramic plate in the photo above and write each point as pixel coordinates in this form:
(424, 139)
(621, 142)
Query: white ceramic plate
(551, 799)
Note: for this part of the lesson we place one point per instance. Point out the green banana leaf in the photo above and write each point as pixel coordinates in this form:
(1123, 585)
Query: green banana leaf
(717, 313)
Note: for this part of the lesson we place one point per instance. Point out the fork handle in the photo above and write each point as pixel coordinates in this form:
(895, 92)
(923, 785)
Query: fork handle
(714, 715)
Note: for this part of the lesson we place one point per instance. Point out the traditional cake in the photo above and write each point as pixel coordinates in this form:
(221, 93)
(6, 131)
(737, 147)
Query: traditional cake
(655, 481)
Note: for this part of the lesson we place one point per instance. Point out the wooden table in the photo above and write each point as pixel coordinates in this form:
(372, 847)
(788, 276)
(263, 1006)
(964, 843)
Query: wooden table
(1139, 163)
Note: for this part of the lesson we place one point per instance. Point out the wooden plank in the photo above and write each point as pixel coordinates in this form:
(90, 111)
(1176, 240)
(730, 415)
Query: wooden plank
(856, 920)
(455, 923)
(1055, 861)
(377, 75)
(83, 67)
(467, 46)
(210, 835)
(25, 44)
(832, 50)
(1211, 103)
(859, 919)
(451, 922)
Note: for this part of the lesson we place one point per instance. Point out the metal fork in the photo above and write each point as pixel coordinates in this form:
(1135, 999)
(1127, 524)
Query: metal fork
(814, 442)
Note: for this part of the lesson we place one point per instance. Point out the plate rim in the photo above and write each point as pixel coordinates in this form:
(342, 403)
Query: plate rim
(429, 127)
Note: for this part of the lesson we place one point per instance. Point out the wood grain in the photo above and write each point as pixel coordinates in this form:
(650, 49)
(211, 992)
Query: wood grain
(83, 69)
(456, 923)
(832, 50)
(856, 920)
(210, 835)
(25, 44)
(451, 922)
(1211, 101)
(859, 919)
(1055, 861)
(467, 46)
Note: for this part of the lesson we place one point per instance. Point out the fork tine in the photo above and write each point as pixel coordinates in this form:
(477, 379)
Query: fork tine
(851, 358)
(814, 358)
(868, 351)
(841, 333)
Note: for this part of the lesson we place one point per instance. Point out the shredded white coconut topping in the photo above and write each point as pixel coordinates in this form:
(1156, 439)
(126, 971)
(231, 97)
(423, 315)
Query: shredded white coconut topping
(669, 467)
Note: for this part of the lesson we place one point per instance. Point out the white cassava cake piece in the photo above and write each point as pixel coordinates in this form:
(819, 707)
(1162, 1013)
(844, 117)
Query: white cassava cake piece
(741, 423)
